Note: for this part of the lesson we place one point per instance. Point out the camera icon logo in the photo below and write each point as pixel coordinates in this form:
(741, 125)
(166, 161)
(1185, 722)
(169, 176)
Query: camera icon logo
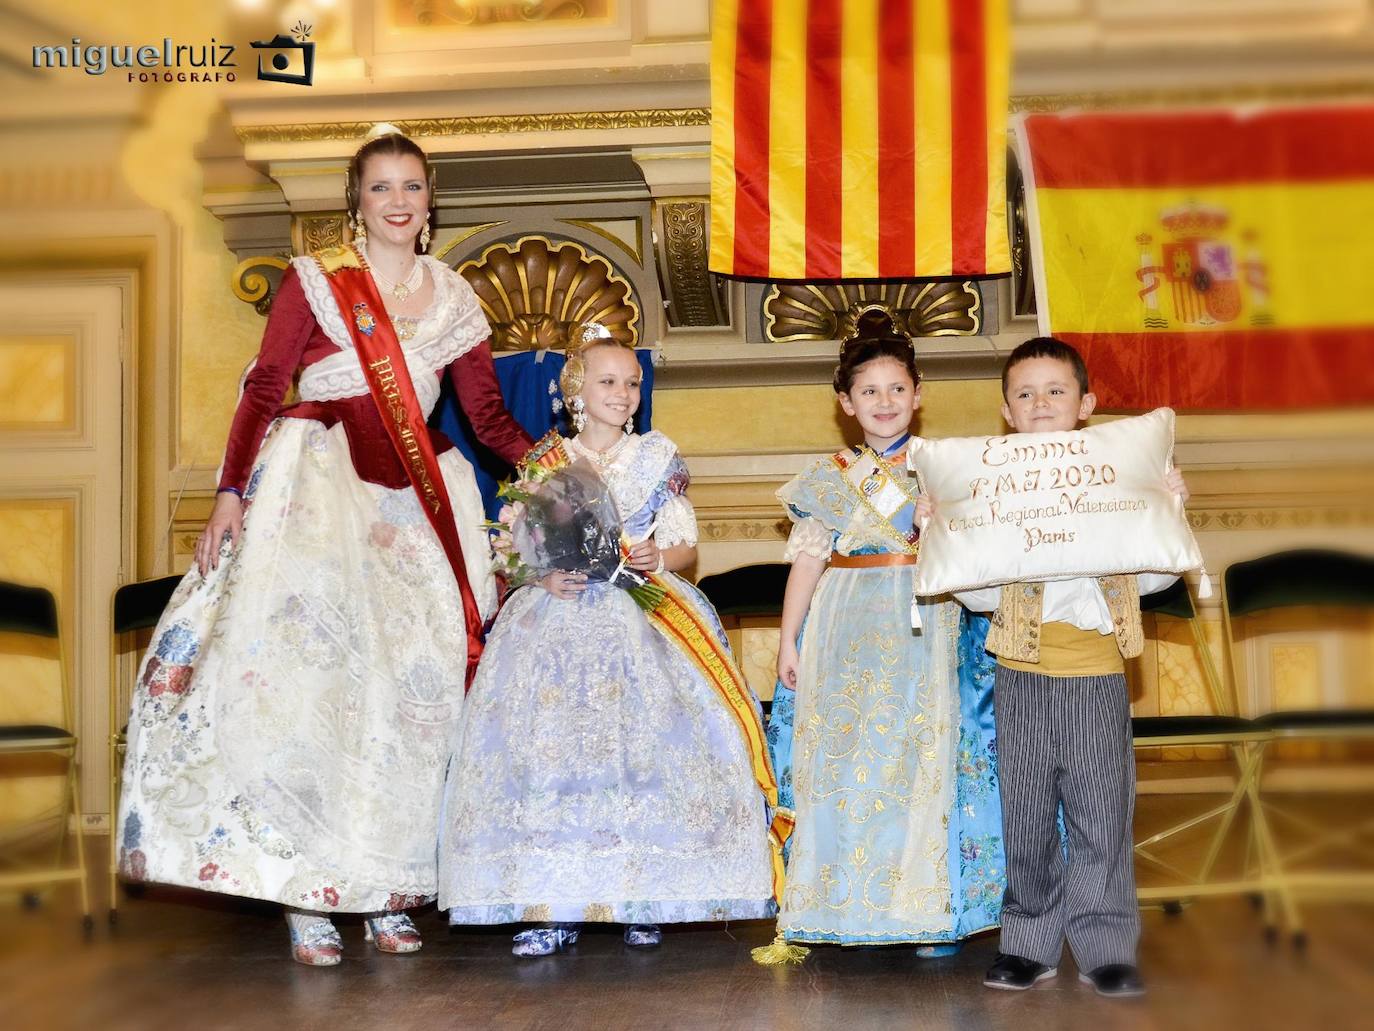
(291, 60)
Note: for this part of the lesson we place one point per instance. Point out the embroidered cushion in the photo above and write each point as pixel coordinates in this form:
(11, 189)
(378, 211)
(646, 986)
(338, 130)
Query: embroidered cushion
(1051, 506)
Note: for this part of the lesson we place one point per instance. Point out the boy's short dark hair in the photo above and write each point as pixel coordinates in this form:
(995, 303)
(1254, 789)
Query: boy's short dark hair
(1047, 347)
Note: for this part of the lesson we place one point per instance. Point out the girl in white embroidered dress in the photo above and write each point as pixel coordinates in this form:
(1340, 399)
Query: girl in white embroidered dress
(599, 777)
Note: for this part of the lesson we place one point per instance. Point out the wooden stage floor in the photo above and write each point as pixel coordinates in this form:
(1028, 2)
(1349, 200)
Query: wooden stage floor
(181, 960)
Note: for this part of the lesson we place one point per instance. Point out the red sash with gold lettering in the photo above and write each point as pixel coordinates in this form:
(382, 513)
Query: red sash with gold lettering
(388, 378)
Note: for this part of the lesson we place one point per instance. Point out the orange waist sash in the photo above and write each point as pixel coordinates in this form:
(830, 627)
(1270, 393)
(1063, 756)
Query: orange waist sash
(838, 561)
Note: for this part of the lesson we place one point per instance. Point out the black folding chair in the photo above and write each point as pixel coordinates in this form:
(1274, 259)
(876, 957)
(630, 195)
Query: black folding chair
(1307, 578)
(30, 613)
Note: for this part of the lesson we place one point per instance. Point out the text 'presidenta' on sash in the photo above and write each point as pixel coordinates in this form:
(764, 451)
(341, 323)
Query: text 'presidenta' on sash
(391, 391)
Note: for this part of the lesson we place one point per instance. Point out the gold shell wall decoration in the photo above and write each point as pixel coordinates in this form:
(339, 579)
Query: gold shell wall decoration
(811, 311)
(536, 292)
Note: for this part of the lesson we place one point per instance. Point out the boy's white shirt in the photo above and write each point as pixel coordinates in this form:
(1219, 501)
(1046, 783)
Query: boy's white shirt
(1077, 602)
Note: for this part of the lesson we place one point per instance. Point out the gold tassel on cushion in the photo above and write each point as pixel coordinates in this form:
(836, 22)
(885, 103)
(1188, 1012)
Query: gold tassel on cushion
(779, 952)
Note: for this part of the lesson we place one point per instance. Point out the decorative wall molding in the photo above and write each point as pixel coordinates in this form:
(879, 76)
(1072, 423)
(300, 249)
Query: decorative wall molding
(436, 13)
(482, 125)
(700, 117)
(1299, 517)
(745, 529)
(604, 228)
(1194, 96)
(255, 280)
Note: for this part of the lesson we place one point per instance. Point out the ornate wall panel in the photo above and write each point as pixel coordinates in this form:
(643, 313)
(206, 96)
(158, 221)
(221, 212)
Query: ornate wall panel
(693, 295)
(316, 232)
(39, 384)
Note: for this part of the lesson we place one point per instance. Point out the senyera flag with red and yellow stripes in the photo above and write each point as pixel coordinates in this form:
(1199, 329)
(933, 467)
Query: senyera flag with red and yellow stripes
(859, 138)
(1207, 259)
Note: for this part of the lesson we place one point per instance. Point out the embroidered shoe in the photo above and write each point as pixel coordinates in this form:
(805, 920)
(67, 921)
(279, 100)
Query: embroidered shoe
(545, 941)
(314, 939)
(392, 932)
(643, 936)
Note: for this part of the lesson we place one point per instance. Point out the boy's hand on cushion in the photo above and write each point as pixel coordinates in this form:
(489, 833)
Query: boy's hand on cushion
(925, 508)
(1174, 480)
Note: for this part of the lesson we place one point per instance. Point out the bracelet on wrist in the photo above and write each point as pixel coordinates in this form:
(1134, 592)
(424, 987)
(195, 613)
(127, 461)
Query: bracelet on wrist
(230, 490)
(658, 568)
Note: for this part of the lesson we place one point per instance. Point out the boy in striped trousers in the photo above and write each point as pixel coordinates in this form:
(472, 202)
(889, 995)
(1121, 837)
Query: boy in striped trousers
(1063, 721)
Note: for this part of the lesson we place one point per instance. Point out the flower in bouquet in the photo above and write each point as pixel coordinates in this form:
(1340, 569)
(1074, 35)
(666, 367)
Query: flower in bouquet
(561, 516)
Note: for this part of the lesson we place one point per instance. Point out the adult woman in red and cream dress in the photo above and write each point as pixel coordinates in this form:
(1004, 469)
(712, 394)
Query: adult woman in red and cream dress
(295, 712)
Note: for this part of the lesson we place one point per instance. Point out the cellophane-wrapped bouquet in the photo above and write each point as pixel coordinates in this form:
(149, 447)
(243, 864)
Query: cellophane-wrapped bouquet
(559, 515)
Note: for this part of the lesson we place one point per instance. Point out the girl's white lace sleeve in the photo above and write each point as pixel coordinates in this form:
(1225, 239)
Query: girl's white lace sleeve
(809, 537)
(677, 523)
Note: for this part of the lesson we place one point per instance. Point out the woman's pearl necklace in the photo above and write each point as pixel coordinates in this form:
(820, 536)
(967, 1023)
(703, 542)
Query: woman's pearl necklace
(401, 290)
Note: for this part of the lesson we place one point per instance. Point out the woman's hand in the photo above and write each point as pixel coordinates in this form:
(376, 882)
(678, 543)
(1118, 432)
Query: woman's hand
(788, 661)
(564, 586)
(645, 556)
(1173, 479)
(225, 519)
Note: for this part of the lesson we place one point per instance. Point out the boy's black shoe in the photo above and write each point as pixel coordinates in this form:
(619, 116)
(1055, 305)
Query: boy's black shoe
(1016, 974)
(1115, 980)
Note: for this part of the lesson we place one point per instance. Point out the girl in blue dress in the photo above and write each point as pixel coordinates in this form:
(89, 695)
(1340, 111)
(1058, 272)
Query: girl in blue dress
(881, 736)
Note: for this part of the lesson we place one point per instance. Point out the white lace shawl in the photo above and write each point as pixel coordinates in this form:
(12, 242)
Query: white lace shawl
(639, 470)
(452, 326)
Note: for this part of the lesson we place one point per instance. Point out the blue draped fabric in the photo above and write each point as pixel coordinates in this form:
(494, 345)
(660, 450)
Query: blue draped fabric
(529, 386)
(978, 864)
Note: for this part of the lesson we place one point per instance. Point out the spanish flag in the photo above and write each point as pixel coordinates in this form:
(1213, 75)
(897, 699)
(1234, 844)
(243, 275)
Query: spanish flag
(1207, 259)
(859, 138)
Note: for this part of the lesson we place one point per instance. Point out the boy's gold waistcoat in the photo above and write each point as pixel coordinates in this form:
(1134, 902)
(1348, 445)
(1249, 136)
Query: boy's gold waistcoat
(1015, 629)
